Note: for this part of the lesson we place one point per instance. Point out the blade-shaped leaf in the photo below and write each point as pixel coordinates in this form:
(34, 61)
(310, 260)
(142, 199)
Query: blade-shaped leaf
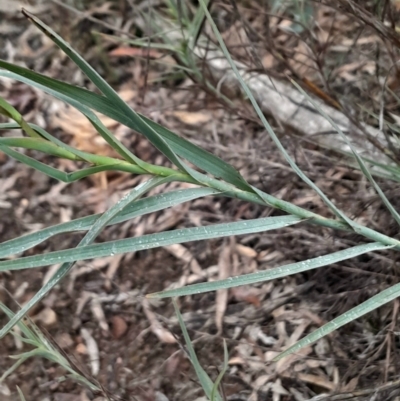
(205, 381)
(359, 159)
(79, 97)
(42, 167)
(21, 394)
(151, 241)
(360, 310)
(266, 124)
(196, 25)
(38, 144)
(151, 134)
(9, 111)
(272, 274)
(90, 236)
(43, 348)
(140, 207)
(214, 392)
(68, 177)
(74, 98)
(29, 334)
(44, 134)
(102, 163)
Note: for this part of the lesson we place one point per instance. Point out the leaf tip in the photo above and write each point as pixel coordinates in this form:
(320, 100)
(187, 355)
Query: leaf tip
(26, 13)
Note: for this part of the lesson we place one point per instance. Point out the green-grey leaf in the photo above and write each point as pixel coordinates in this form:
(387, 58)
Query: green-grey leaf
(360, 310)
(359, 159)
(151, 241)
(214, 392)
(38, 144)
(266, 124)
(21, 394)
(90, 236)
(146, 129)
(79, 97)
(61, 175)
(272, 274)
(140, 207)
(205, 381)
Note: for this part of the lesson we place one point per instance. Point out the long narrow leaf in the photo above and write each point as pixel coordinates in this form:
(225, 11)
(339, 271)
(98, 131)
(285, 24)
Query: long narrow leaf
(110, 93)
(9, 111)
(44, 134)
(90, 236)
(151, 241)
(39, 145)
(205, 381)
(29, 334)
(21, 394)
(68, 177)
(359, 159)
(103, 163)
(196, 26)
(272, 274)
(141, 207)
(266, 124)
(214, 392)
(360, 310)
(79, 97)
(92, 75)
(43, 348)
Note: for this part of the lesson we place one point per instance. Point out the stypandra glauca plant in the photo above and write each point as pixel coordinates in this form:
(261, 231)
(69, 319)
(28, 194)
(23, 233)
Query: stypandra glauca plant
(211, 176)
(30, 334)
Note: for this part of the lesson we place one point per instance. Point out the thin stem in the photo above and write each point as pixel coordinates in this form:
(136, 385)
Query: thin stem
(110, 163)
